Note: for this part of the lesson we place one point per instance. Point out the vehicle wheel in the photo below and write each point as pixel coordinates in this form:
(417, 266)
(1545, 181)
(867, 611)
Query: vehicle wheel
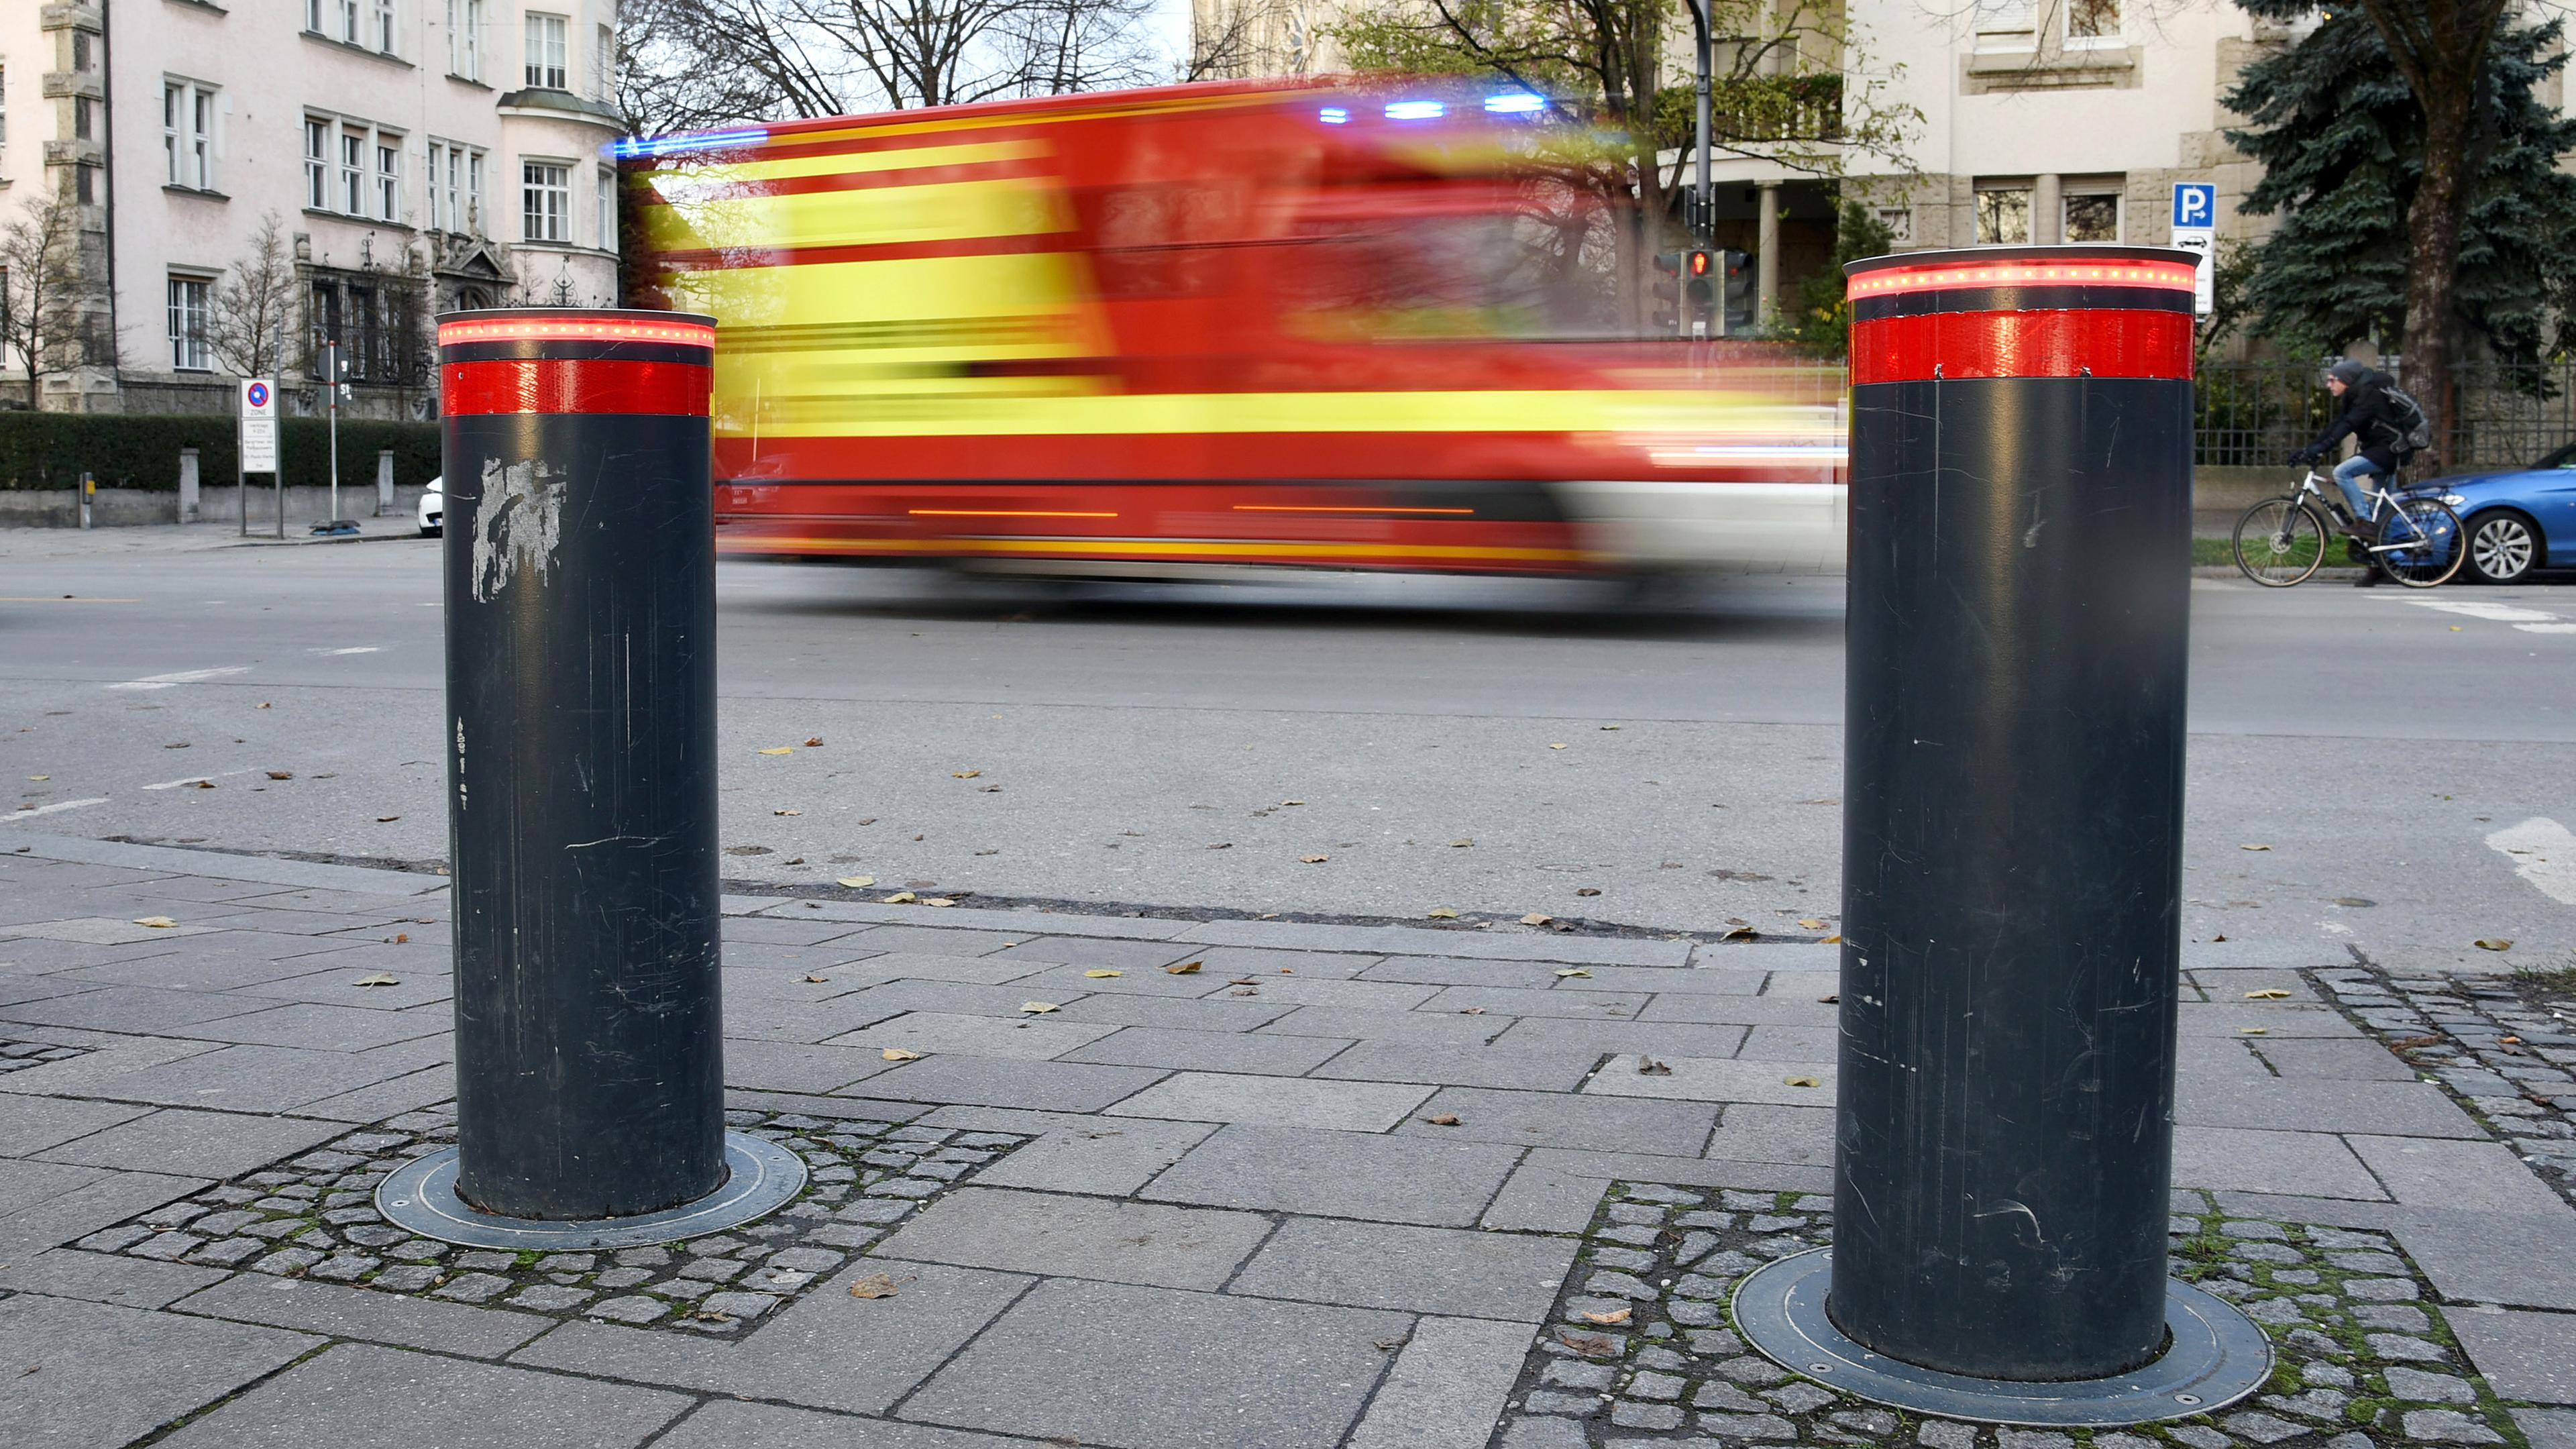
(2280, 542)
(432, 532)
(2504, 547)
(2422, 544)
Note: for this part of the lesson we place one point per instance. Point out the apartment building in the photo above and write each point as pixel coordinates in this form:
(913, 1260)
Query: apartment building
(417, 156)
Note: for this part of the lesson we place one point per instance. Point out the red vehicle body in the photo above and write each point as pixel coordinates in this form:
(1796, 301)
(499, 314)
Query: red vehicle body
(1303, 325)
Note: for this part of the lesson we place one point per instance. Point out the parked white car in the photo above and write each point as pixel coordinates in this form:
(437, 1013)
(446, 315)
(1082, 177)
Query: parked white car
(433, 510)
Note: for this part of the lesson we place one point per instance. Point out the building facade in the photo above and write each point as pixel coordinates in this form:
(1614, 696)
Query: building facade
(408, 157)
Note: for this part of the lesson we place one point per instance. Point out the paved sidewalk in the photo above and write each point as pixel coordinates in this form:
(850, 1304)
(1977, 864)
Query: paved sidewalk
(1379, 1187)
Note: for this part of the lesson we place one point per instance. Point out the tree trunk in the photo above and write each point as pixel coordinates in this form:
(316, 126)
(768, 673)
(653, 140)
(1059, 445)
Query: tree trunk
(2433, 252)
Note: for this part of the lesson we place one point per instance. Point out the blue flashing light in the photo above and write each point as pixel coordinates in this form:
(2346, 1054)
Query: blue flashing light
(1515, 103)
(1336, 116)
(632, 146)
(1415, 110)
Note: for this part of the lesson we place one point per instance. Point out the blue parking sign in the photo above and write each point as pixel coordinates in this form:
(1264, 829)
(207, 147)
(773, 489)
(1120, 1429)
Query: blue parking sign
(2195, 203)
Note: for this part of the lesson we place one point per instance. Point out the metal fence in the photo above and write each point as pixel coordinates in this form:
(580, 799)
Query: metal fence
(2255, 414)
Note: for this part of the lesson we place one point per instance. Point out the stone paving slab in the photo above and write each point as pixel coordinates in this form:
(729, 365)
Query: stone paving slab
(1450, 1271)
(2245, 1159)
(1038, 1037)
(1111, 1160)
(1009, 1082)
(1535, 1070)
(1701, 1079)
(106, 1278)
(1097, 1363)
(174, 861)
(1415, 941)
(1560, 1119)
(199, 1144)
(386, 1318)
(32, 1124)
(1152, 1046)
(1079, 1237)
(733, 1424)
(1279, 1102)
(356, 1394)
(1435, 1182)
(1445, 1384)
(2523, 1355)
(2481, 1176)
(98, 1374)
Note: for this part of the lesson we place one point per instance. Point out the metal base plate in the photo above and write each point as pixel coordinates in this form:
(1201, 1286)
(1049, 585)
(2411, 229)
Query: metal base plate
(2217, 1356)
(763, 1177)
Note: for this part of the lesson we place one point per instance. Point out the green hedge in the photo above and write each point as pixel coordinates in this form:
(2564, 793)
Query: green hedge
(52, 450)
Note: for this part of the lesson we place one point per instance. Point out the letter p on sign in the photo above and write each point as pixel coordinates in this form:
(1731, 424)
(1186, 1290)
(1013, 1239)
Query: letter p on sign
(2195, 204)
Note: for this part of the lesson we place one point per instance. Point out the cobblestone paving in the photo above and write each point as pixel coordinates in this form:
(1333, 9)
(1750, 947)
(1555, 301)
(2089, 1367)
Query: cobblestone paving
(2504, 1046)
(19, 1055)
(1640, 1348)
(314, 1217)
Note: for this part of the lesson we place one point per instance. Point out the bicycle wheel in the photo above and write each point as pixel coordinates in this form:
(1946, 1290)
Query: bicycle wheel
(2280, 542)
(2421, 543)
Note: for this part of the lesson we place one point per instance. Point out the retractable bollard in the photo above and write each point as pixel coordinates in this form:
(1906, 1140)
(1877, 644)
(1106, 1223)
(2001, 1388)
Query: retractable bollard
(2018, 617)
(580, 572)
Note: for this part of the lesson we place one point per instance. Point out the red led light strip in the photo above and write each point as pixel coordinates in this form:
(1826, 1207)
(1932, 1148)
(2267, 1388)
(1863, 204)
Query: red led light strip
(574, 385)
(2166, 276)
(686, 334)
(2105, 342)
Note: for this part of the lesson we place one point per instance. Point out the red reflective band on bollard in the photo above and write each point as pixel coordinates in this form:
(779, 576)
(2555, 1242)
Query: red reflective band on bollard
(574, 385)
(677, 332)
(2079, 343)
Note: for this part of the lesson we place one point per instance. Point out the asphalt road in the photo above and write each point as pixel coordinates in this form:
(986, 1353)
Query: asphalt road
(1141, 744)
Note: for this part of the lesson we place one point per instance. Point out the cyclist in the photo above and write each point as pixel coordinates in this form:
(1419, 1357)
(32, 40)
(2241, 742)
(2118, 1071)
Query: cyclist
(2371, 419)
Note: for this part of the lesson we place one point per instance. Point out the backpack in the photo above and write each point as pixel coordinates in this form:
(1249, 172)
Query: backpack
(2414, 430)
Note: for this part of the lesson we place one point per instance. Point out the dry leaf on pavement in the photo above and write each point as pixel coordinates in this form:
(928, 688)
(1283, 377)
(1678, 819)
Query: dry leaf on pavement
(1536, 918)
(964, 774)
(2269, 993)
(1183, 969)
(1836, 940)
(2253, 847)
(378, 979)
(156, 922)
(1471, 1011)
(1830, 998)
(1443, 913)
(1037, 1008)
(281, 774)
(1799, 1082)
(1616, 1315)
(858, 882)
(1573, 971)
(814, 743)
(1740, 933)
(817, 980)
(1649, 1067)
(1292, 802)
(939, 901)
(1590, 1345)
(1443, 1119)
(1556, 747)
(1805, 924)
(1588, 891)
(780, 750)
(875, 1285)
(2493, 943)
(898, 1054)
(1103, 975)
(2253, 1031)
(1461, 843)
(387, 819)
(900, 898)
(786, 812)
(1312, 859)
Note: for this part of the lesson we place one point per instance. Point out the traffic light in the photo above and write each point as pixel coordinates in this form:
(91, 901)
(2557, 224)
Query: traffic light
(1700, 292)
(1739, 292)
(1668, 295)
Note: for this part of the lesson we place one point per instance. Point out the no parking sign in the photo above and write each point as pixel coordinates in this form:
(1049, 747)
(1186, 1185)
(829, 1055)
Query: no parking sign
(258, 425)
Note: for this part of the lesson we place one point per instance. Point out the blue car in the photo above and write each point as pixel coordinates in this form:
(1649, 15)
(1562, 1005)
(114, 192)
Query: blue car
(2518, 521)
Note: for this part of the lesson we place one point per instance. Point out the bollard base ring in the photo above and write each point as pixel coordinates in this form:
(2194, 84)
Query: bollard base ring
(762, 1177)
(2218, 1356)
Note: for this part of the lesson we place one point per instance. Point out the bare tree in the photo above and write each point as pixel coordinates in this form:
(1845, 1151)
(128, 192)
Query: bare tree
(1056, 47)
(39, 285)
(1221, 42)
(687, 65)
(254, 306)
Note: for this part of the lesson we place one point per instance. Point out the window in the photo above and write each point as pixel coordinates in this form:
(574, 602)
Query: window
(607, 211)
(388, 178)
(2003, 216)
(2092, 218)
(545, 199)
(546, 52)
(188, 134)
(85, 185)
(349, 21)
(353, 171)
(188, 324)
(317, 164)
(465, 38)
(603, 64)
(474, 205)
(313, 11)
(1899, 221)
(385, 26)
(82, 123)
(2091, 24)
(2006, 24)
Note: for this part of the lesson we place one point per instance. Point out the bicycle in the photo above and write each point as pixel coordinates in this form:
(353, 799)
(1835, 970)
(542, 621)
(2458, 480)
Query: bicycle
(2412, 537)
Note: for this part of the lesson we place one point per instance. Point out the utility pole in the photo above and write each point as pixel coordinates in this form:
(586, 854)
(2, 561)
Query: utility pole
(1703, 202)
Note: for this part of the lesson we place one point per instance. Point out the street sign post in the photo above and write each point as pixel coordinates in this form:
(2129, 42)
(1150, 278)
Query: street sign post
(2195, 230)
(256, 437)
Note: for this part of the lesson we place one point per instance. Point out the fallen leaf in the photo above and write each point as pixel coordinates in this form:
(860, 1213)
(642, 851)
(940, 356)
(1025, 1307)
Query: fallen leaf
(1037, 1008)
(1591, 1345)
(1799, 1082)
(156, 922)
(2253, 847)
(1649, 1067)
(2269, 993)
(1103, 975)
(1806, 924)
(1443, 913)
(939, 901)
(857, 882)
(1461, 843)
(964, 774)
(875, 1285)
(780, 750)
(2410, 1043)
(1616, 1315)
(1740, 933)
(1536, 918)
(1832, 940)
(1184, 969)
(281, 774)
(1312, 859)
(48, 777)
(786, 812)
(900, 898)
(263, 704)
(378, 979)
(1573, 971)
(2253, 1031)
(1443, 1119)
(181, 745)
(1292, 802)
(1588, 890)
(814, 743)
(2492, 943)
(1556, 747)
(387, 819)
(401, 936)
(209, 784)
(1830, 998)
(1609, 727)
(1222, 845)
(898, 1054)
(1471, 1011)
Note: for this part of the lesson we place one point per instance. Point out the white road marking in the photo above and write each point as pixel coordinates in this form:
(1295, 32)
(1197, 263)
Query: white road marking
(2547, 628)
(361, 649)
(185, 676)
(30, 814)
(2481, 609)
(2543, 853)
(194, 779)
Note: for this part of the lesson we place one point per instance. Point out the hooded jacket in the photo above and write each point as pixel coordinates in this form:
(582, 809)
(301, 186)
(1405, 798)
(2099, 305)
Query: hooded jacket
(2368, 417)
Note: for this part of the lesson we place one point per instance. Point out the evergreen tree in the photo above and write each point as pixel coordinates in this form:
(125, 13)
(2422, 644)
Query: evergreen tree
(2341, 139)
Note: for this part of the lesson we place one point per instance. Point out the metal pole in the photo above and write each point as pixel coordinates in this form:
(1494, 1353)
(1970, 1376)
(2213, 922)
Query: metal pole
(332, 367)
(580, 571)
(241, 478)
(1705, 229)
(2012, 823)
(87, 488)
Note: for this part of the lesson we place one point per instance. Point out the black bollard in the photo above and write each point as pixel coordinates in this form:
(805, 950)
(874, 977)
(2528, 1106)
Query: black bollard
(2021, 470)
(580, 569)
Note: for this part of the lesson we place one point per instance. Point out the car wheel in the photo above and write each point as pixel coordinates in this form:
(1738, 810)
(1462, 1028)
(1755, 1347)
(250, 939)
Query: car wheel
(432, 531)
(2504, 547)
